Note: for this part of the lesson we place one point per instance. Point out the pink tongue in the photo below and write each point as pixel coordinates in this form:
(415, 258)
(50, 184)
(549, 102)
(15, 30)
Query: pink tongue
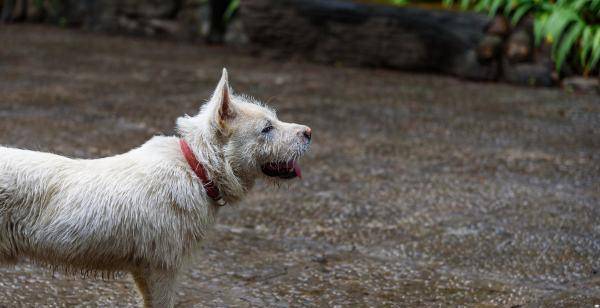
(297, 169)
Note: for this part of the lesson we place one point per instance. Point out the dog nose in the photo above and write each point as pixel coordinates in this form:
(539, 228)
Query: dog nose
(308, 133)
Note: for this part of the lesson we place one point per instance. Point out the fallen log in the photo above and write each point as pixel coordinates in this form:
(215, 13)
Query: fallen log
(372, 35)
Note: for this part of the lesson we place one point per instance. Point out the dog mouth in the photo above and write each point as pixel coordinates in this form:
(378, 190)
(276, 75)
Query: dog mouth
(284, 170)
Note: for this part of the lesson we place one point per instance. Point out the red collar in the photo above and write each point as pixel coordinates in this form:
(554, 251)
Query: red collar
(211, 188)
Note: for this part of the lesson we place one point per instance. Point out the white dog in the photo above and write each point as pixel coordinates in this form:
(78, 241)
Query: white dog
(144, 211)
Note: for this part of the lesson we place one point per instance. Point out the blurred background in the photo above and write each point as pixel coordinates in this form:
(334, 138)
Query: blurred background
(455, 157)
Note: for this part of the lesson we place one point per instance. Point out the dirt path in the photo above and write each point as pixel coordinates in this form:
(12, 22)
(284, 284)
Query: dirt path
(419, 190)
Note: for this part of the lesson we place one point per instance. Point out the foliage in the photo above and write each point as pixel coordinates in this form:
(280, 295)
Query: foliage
(398, 2)
(231, 9)
(567, 25)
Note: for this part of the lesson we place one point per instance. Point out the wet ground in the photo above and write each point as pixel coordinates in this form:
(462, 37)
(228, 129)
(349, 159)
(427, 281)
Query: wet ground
(419, 190)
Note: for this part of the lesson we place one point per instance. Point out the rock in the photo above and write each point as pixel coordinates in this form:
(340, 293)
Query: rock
(165, 26)
(580, 84)
(469, 67)
(519, 46)
(319, 259)
(128, 25)
(499, 26)
(194, 18)
(235, 34)
(76, 12)
(184, 19)
(151, 9)
(106, 17)
(489, 48)
(351, 33)
(529, 74)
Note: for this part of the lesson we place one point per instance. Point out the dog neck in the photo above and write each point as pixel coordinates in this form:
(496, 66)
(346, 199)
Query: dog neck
(212, 190)
(230, 184)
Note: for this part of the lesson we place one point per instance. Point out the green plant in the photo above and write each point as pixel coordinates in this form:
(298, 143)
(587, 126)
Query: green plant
(231, 8)
(568, 25)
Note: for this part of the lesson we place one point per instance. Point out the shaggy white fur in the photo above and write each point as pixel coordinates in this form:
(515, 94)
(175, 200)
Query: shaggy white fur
(143, 211)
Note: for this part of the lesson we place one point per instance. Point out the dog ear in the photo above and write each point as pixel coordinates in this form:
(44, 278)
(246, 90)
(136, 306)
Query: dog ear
(224, 109)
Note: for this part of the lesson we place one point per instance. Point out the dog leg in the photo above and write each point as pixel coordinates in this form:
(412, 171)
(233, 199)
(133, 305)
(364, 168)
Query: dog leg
(156, 286)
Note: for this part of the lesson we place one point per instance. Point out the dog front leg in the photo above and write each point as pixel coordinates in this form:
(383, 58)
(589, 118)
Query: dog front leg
(157, 286)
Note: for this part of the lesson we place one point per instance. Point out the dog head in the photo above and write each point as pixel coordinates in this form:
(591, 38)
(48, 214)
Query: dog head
(245, 136)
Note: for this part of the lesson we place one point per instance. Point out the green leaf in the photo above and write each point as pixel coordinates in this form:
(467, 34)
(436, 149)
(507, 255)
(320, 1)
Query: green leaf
(464, 4)
(557, 24)
(483, 5)
(448, 3)
(539, 27)
(577, 4)
(566, 44)
(519, 12)
(595, 48)
(231, 8)
(394, 2)
(586, 44)
(562, 23)
(508, 7)
(495, 6)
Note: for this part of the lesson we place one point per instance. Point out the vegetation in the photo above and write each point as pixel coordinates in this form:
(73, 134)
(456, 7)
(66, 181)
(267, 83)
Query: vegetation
(231, 9)
(572, 27)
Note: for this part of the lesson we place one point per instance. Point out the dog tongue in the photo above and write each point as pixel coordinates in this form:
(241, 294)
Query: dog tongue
(297, 169)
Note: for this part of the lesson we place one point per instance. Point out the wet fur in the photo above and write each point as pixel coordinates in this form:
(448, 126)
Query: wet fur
(143, 211)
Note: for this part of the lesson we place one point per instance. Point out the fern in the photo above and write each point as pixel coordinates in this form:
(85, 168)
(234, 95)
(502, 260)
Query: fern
(568, 25)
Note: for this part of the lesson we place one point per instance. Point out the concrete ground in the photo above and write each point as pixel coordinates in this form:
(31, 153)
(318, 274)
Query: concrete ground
(419, 190)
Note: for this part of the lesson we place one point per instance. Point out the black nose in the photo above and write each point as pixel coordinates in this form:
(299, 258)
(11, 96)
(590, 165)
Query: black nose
(308, 133)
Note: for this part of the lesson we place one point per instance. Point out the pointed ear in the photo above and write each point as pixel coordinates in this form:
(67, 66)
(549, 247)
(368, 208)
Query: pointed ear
(224, 109)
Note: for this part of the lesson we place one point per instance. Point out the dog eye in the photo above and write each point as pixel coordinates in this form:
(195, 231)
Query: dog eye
(267, 129)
